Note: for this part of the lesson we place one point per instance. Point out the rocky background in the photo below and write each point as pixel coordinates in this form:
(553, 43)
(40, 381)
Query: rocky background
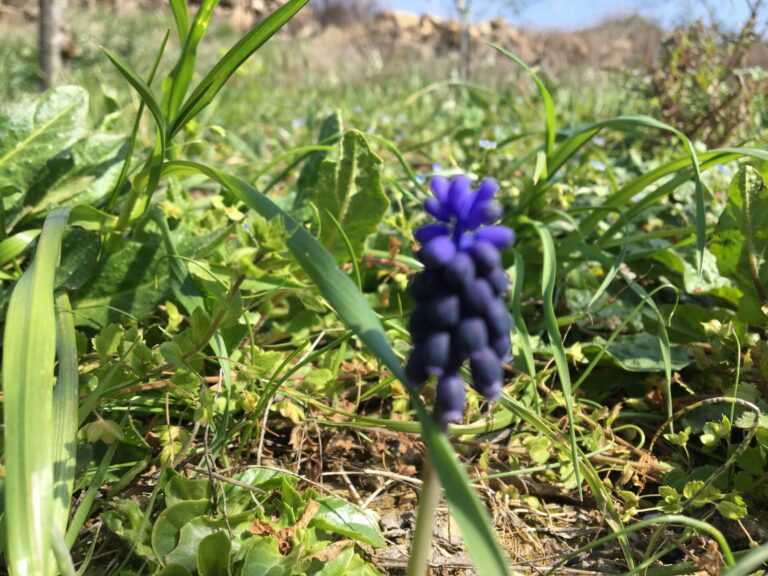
(359, 34)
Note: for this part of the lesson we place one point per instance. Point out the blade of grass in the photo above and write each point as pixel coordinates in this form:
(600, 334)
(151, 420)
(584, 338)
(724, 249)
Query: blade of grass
(29, 352)
(548, 277)
(181, 17)
(215, 80)
(65, 404)
(550, 125)
(135, 130)
(147, 96)
(518, 275)
(175, 87)
(15, 245)
(349, 303)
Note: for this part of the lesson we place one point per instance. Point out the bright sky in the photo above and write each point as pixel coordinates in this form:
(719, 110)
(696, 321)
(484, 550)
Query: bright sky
(570, 14)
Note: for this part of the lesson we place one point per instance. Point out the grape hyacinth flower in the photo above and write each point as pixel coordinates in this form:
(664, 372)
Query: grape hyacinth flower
(460, 314)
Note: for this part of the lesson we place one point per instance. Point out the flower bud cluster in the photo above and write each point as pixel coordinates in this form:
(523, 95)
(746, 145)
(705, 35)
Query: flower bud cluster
(460, 312)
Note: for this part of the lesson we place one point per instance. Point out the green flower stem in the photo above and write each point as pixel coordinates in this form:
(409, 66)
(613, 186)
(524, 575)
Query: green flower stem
(431, 494)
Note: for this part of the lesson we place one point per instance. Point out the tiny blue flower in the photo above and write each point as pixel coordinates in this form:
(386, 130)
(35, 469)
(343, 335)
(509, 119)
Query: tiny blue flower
(421, 178)
(599, 140)
(597, 165)
(358, 108)
(298, 123)
(487, 144)
(723, 169)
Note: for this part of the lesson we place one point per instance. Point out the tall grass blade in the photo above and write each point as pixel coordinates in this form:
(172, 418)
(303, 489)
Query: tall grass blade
(550, 121)
(178, 81)
(352, 308)
(15, 245)
(29, 353)
(548, 277)
(147, 96)
(214, 81)
(753, 560)
(518, 276)
(181, 17)
(625, 123)
(65, 419)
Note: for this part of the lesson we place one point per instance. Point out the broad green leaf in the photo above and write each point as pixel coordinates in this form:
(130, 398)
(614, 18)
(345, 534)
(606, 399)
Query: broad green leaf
(336, 515)
(130, 282)
(215, 80)
(84, 178)
(347, 563)
(213, 555)
(174, 570)
(167, 528)
(264, 559)
(641, 353)
(349, 303)
(36, 130)
(197, 529)
(79, 258)
(108, 340)
(180, 489)
(125, 518)
(349, 191)
(330, 131)
(740, 243)
(29, 352)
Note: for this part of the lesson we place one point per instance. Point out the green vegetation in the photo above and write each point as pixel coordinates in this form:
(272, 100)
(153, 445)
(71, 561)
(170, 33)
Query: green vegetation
(204, 260)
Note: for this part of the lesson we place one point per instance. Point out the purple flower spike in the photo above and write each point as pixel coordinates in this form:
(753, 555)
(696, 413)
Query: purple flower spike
(471, 335)
(487, 189)
(460, 309)
(415, 368)
(460, 271)
(502, 346)
(437, 352)
(487, 373)
(500, 236)
(437, 209)
(439, 187)
(486, 256)
(459, 194)
(450, 397)
(438, 252)
(481, 213)
(430, 231)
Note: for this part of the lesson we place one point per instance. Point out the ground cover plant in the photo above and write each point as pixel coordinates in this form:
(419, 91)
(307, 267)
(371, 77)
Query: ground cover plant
(212, 285)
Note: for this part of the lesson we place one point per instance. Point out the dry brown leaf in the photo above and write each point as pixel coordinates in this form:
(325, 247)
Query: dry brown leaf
(261, 528)
(331, 552)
